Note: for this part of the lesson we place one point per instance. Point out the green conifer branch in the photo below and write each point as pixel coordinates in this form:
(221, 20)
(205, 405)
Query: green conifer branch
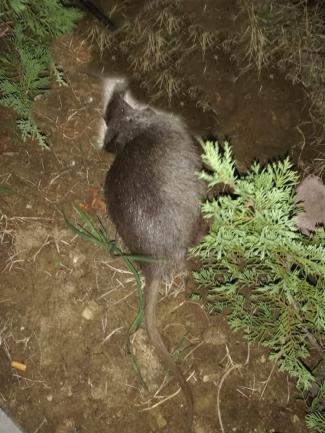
(26, 60)
(258, 266)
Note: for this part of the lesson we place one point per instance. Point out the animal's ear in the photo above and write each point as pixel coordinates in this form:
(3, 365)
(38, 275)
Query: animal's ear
(118, 95)
(121, 88)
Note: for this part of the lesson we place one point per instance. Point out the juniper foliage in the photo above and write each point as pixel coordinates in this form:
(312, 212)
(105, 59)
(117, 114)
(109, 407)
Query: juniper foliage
(258, 267)
(315, 419)
(27, 28)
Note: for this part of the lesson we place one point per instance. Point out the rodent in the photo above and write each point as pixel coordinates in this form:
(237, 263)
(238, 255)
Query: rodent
(153, 196)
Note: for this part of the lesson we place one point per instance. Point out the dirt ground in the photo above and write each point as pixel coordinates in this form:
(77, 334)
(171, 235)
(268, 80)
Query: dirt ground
(65, 305)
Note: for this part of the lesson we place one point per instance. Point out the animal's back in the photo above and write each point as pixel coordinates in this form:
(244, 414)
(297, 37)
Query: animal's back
(154, 195)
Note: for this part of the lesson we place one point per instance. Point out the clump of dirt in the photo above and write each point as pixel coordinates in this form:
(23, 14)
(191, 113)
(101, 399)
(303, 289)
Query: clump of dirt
(65, 305)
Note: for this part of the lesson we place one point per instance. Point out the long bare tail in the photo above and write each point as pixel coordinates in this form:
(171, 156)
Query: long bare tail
(151, 299)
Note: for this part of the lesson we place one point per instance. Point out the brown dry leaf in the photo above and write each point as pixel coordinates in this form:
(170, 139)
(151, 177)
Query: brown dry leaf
(94, 201)
(311, 194)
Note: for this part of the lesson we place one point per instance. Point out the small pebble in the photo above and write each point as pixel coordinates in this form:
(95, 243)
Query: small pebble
(87, 314)
(90, 311)
(77, 259)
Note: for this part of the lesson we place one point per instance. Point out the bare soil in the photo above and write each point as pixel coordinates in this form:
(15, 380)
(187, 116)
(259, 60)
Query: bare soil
(65, 305)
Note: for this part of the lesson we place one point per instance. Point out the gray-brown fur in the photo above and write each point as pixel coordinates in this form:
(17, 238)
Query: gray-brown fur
(153, 197)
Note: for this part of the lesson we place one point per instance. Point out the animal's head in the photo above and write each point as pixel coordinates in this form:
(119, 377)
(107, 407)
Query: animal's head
(118, 116)
(123, 121)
